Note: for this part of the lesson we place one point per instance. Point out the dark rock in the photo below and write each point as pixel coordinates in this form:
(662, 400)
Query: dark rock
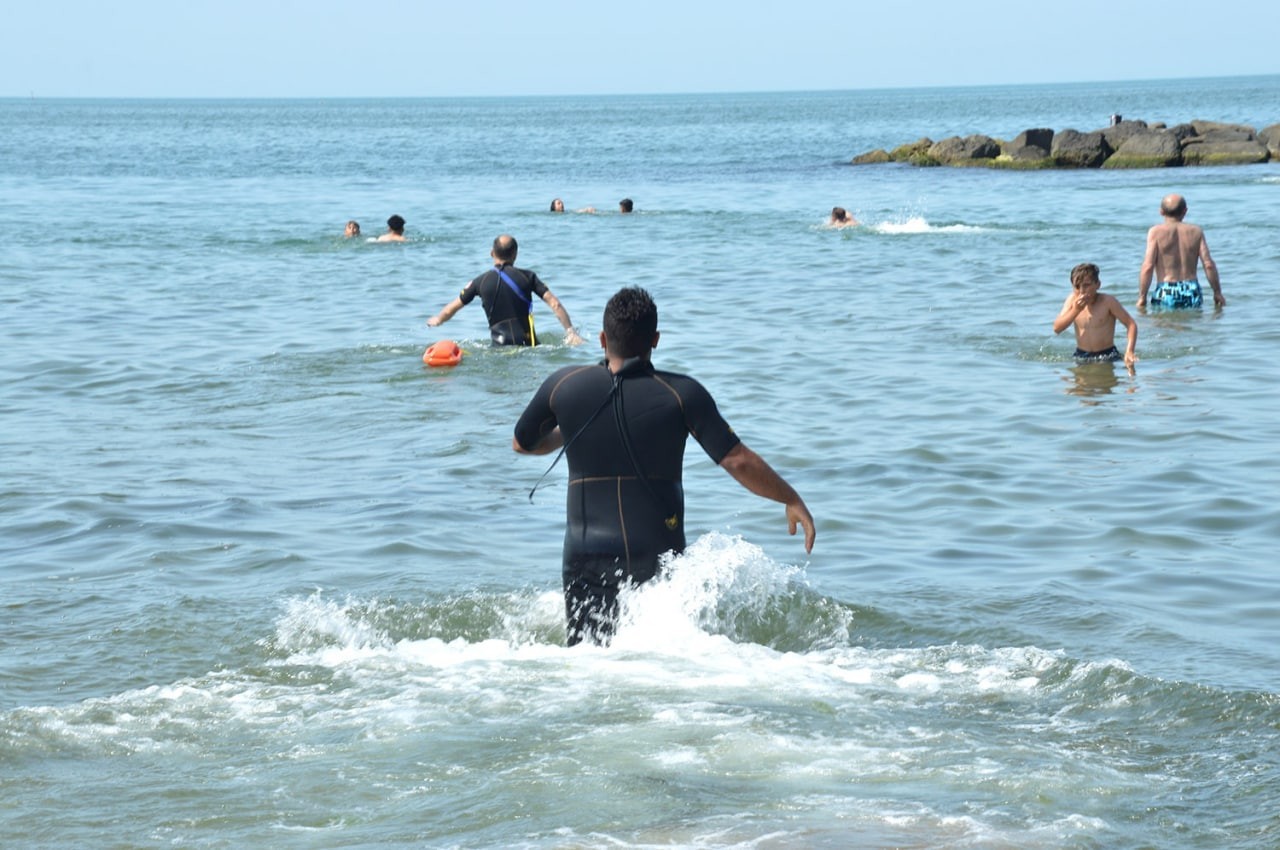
(1270, 136)
(1243, 132)
(1125, 144)
(965, 150)
(1209, 149)
(1183, 132)
(872, 157)
(1215, 135)
(1073, 149)
(1147, 149)
(1117, 134)
(916, 153)
(1027, 152)
(1041, 137)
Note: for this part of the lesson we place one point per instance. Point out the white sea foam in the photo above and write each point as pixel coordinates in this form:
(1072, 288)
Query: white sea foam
(918, 224)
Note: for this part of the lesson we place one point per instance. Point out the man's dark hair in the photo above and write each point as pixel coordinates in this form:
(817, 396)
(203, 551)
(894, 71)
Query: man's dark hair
(630, 321)
(505, 249)
(625, 205)
(396, 223)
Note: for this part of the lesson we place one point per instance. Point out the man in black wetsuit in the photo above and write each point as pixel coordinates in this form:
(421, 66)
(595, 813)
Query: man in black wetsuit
(623, 425)
(506, 293)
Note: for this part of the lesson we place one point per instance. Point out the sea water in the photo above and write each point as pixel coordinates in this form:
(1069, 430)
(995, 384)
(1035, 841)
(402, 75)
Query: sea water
(269, 581)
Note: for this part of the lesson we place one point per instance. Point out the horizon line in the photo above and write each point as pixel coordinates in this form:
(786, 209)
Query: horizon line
(32, 95)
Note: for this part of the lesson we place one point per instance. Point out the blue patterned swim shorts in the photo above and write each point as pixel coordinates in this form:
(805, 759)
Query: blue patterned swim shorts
(1178, 294)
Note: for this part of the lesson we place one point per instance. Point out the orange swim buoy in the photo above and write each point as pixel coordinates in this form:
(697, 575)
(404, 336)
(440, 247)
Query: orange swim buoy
(443, 353)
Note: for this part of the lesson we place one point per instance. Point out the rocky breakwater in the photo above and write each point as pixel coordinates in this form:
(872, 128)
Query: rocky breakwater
(1124, 144)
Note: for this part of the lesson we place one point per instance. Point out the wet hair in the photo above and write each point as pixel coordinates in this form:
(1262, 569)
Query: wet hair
(396, 223)
(630, 321)
(1178, 210)
(1083, 273)
(553, 205)
(839, 214)
(354, 227)
(625, 205)
(505, 248)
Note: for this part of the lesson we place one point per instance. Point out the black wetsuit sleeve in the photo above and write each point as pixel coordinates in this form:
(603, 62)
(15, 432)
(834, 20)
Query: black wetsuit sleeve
(538, 287)
(703, 418)
(538, 419)
(470, 291)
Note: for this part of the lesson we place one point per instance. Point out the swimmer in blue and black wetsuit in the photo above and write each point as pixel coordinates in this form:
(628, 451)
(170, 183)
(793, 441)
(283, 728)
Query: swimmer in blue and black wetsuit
(1173, 249)
(623, 425)
(1094, 315)
(506, 293)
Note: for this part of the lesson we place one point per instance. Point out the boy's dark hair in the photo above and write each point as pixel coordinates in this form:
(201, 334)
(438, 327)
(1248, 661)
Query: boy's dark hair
(1084, 271)
(396, 223)
(625, 205)
(630, 321)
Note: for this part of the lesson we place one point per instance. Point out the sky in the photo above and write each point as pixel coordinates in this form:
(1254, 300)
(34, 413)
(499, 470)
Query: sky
(458, 48)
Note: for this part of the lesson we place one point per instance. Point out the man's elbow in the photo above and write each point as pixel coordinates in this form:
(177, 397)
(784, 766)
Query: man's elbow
(737, 459)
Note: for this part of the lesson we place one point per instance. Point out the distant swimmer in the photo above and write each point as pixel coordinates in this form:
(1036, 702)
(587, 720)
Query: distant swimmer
(353, 229)
(395, 230)
(625, 206)
(840, 218)
(506, 293)
(1094, 315)
(557, 206)
(623, 426)
(1173, 249)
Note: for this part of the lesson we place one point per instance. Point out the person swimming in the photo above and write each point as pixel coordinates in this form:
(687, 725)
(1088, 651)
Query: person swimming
(840, 218)
(395, 230)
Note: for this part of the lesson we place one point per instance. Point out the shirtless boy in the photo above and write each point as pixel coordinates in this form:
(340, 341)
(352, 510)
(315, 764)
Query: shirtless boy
(1094, 315)
(1173, 248)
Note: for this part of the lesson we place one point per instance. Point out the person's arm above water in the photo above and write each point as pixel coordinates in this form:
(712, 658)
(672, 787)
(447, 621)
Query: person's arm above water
(1211, 273)
(570, 332)
(1148, 268)
(752, 472)
(1067, 315)
(446, 314)
(1122, 316)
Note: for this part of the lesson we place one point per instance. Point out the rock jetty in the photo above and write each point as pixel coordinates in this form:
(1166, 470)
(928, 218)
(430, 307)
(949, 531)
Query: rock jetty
(1123, 144)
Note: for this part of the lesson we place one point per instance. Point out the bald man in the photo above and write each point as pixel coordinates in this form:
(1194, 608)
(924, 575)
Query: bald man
(1173, 249)
(507, 294)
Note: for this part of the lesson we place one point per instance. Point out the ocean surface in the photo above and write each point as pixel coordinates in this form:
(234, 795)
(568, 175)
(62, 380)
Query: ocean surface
(269, 581)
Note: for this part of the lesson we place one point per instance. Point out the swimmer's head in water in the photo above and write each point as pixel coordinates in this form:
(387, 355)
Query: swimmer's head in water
(625, 205)
(396, 224)
(839, 214)
(557, 205)
(630, 322)
(353, 228)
